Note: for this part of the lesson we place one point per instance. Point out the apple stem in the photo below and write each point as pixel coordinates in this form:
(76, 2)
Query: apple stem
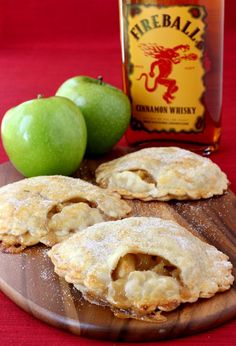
(39, 96)
(100, 79)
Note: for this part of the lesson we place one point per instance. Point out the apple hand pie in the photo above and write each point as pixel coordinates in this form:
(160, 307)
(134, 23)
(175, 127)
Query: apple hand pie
(141, 266)
(162, 174)
(49, 209)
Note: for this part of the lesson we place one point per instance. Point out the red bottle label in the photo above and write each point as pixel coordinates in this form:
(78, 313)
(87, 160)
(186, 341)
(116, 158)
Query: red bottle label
(166, 72)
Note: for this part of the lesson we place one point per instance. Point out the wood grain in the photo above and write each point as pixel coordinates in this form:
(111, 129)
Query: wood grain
(28, 278)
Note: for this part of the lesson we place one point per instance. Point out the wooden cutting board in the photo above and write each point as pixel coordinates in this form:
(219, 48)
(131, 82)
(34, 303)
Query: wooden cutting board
(28, 278)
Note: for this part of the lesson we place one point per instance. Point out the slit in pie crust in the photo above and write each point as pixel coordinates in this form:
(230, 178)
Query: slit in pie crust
(141, 266)
(49, 209)
(162, 174)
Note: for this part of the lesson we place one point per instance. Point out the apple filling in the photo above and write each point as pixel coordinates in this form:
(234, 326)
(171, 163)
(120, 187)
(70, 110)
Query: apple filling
(145, 176)
(69, 217)
(136, 181)
(145, 284)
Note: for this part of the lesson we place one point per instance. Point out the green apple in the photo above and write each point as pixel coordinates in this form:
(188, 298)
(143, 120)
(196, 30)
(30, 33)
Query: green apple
(106, 110)
(45, 136)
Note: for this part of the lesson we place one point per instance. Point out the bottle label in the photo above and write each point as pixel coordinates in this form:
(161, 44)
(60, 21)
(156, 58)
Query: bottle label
(166, 70)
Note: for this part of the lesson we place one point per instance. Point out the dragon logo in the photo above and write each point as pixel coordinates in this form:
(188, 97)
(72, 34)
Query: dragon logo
(165, 59)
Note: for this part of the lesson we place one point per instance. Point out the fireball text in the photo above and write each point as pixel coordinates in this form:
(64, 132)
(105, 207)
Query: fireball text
(166, 21)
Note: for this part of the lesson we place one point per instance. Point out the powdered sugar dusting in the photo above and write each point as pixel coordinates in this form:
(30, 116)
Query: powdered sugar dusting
(178, 173)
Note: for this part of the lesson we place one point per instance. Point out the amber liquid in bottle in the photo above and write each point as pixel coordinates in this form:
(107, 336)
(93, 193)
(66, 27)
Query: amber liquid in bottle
(172, 55)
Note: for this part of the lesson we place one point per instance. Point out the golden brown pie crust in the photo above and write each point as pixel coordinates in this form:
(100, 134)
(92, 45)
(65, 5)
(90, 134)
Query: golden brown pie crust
(162, 174)
(49, 209)
(141, 266)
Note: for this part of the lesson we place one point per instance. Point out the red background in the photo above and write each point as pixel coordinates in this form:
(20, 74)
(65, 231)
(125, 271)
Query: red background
(44, 42)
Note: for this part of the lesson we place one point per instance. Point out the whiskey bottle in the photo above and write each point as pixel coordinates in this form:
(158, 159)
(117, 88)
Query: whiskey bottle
(172, 55)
